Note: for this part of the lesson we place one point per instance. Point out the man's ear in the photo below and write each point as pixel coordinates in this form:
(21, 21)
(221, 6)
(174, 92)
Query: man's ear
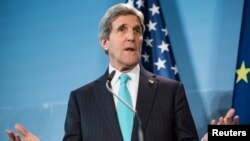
(104, 44)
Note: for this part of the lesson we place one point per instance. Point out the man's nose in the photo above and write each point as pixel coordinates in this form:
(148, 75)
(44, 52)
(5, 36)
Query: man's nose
(131, 35)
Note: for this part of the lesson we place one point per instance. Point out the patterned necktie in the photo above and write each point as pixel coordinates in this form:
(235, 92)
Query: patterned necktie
(125, 115)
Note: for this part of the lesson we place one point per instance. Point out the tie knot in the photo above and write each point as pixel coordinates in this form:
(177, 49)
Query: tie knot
(124, 78)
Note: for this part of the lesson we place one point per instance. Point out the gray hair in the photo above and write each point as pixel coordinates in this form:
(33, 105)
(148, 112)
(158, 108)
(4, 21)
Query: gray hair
(115, 11)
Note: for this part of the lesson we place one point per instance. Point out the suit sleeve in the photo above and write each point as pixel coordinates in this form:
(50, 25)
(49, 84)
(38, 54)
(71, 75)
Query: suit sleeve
(72, 124)
(184, 125)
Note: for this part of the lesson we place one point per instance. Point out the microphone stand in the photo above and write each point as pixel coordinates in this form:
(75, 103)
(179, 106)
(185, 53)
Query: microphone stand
(140, 132)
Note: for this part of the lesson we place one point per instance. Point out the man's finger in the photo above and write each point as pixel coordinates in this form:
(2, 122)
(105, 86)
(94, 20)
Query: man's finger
(213, 122)
(17, 137)
(236, 120)
(221, 121)
(228, 120)
(229, 116)
(21, 130)
(230, 113)
(11, 135)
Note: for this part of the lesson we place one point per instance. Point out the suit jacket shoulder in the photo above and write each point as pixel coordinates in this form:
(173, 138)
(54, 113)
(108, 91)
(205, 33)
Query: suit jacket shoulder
(91, 114)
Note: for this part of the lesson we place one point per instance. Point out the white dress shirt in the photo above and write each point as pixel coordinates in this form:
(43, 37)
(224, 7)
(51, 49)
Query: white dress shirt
(132, 84)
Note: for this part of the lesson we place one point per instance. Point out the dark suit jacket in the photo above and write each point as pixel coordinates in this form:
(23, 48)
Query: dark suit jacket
(162, 107)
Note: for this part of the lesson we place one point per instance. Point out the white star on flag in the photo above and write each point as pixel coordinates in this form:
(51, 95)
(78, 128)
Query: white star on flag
(140, 3)
(165, 31)
(151, 26)
(146, 57)
(175, 69)
(149, 42)
(130, 2)
(155, 9)
(163, 47)
(160, 64)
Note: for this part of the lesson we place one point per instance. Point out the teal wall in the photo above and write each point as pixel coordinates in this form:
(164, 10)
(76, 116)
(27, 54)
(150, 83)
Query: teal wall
(50, 47)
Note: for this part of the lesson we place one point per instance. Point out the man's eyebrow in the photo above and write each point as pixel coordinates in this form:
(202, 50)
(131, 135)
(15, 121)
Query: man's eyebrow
(137, 26)
(122, 25)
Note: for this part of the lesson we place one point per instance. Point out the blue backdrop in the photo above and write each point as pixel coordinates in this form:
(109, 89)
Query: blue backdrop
(48, 48)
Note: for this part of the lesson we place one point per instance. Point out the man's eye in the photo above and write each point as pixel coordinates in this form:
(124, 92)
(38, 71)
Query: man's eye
(121, 29)
(138, 30)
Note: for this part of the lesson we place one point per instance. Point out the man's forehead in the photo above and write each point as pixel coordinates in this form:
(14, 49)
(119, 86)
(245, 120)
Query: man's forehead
(123, 20)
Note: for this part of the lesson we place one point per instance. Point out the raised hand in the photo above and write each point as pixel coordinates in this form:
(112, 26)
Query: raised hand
(227, 120)
(27, 136)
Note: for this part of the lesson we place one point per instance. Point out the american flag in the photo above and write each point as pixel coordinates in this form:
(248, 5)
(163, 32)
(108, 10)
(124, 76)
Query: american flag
(157, 55)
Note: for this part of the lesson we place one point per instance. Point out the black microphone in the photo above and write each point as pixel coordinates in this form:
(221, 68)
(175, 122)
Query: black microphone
(109, 78)
(109, 87)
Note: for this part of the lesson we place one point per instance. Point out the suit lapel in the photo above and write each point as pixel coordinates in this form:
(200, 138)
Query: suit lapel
(106, 102)
(146, 95)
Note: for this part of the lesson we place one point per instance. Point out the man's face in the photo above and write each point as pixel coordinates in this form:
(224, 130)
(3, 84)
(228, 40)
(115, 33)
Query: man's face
(124, 43)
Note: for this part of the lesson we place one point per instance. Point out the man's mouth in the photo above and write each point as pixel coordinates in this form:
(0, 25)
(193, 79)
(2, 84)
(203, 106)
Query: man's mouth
(129, 49)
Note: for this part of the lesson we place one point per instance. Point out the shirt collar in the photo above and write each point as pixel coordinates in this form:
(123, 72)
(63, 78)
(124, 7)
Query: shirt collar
(133, 74)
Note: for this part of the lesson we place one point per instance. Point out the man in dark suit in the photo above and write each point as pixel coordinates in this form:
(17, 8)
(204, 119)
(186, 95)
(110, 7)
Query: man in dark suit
(160, 104)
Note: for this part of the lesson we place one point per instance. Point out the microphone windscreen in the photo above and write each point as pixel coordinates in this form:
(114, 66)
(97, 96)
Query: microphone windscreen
(111, 75)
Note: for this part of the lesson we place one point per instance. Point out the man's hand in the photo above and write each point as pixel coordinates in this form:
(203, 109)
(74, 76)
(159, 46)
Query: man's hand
(27, 136)
(227, 120)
